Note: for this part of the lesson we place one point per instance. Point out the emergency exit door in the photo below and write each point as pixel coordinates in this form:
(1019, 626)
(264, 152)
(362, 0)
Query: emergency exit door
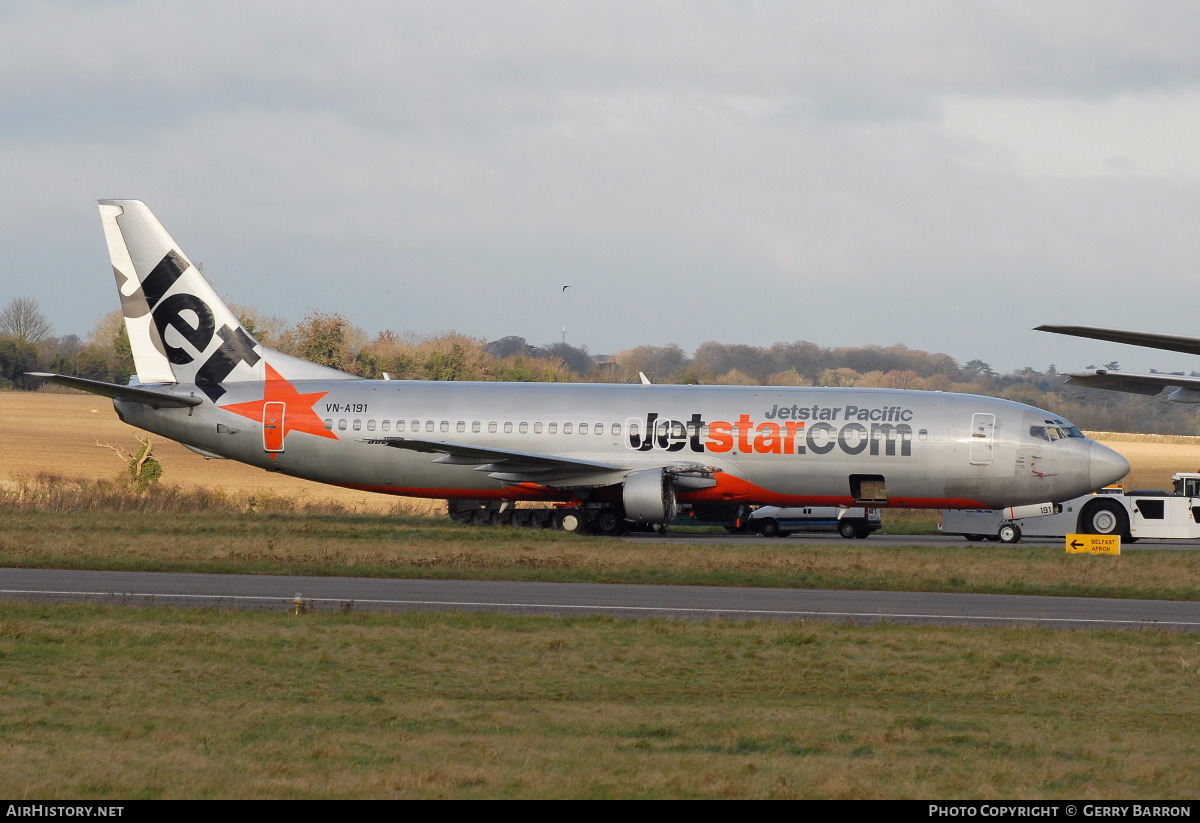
(983, 431)
(273, 430)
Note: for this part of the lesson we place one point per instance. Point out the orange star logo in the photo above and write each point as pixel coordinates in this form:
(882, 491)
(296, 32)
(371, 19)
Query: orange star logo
(298, 408)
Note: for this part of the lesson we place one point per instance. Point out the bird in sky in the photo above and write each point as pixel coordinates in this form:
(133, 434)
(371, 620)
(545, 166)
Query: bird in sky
(565, 288)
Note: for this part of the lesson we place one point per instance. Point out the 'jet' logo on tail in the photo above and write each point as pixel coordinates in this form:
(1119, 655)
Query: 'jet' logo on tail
(192, 320)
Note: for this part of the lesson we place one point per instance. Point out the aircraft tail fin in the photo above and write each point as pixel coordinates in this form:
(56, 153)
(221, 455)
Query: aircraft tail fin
(180, 330)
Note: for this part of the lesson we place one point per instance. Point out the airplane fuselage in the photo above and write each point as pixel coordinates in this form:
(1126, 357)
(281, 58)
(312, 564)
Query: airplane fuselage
(631, 453)
(768, 445)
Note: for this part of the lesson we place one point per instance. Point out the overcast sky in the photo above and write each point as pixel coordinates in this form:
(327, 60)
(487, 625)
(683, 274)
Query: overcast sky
(938, 174)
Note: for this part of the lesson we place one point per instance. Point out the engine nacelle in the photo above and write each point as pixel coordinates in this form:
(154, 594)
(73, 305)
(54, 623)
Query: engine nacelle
(649, 497)
(1184, 395)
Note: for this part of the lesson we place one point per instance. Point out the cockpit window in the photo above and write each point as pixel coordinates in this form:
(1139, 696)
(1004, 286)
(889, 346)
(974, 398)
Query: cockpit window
(1067, 429)
(1054, 430)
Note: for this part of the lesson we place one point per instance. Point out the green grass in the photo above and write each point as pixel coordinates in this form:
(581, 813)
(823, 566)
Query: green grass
(375, 546)
(101, 702)
(122, 703)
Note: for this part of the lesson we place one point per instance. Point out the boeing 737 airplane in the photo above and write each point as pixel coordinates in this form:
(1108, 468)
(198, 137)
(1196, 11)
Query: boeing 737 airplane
(1187, 389)
(609, 455)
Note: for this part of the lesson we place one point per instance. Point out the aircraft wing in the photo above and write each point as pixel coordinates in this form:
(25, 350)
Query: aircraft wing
(131, 394)
(546, 469)
(457, 454)
(1147, 384)
(1167, 342)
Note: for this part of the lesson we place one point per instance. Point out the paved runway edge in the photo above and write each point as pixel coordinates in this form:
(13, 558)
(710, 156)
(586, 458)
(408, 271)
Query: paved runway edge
(622, 600)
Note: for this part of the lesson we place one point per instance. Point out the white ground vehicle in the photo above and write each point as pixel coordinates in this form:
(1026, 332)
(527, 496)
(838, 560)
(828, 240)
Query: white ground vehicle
(1130, 513)
(773, 521)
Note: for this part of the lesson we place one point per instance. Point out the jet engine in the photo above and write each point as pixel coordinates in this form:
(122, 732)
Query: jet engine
(649, 496)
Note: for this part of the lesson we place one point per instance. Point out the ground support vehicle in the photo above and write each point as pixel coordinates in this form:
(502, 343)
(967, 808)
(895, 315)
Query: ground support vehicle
(774, 521)
(1130, 513)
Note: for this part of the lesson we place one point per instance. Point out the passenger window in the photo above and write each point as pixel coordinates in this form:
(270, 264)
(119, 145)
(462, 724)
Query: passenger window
(329, 424)
(599, 428)
(492, 427)
(537, 428)
(523, 428)
(583, 428)
(566, 428)
(462, 426)
(386, 425)
(508, 428)
(552, 428)
(342, 425)
(399, 425)
(356, 425)
(475, 427)
(616, 428)
(428, 425)
(416, 426)
(370, 425)
(445, 425)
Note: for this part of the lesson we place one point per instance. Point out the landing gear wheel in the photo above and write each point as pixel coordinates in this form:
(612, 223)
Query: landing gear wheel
(847, 529)
(1009, 533)
(862, 531)
(609, 523)
(569, 520)
(769, 528)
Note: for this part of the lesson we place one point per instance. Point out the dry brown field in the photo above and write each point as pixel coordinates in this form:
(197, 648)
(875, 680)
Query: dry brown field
(68, 434)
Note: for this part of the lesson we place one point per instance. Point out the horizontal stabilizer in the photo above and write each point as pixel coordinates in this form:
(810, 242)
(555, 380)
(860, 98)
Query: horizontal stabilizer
(130, 394)
(1166, 342)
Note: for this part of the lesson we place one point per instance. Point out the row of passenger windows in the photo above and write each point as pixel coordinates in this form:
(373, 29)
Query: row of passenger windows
(476, 426)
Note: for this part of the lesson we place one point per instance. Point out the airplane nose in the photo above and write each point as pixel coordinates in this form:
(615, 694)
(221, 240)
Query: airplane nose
(1106, 466)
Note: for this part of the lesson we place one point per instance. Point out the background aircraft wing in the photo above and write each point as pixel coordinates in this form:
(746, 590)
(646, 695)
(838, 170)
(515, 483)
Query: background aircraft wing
(1167, 342)
(1147, 384)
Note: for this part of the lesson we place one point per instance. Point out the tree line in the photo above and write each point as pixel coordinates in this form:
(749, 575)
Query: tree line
(28, 344)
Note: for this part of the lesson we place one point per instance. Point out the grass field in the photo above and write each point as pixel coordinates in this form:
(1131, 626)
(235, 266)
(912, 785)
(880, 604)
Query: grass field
(99, 702)
(103, 702)
(223, 539)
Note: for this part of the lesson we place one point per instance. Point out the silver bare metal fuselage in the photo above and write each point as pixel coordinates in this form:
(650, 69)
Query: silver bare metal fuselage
(770, 445)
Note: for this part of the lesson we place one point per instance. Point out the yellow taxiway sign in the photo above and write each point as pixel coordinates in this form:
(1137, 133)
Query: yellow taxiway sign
(1093, 544)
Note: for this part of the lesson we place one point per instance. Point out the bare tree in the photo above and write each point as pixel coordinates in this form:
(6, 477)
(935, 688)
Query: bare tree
(23, 319)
